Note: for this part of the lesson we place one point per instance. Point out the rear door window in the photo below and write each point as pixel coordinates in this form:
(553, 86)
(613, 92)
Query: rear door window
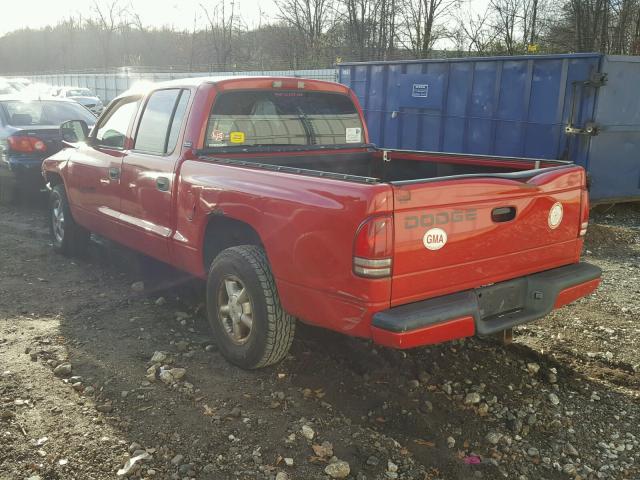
(263, 118)
(161, 121)
(178, 117)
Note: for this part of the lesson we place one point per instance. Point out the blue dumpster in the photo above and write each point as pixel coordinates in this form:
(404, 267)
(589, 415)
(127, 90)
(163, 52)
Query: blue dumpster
(582, 107)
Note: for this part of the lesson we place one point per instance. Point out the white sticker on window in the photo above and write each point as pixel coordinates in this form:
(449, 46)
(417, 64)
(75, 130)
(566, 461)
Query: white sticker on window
(353, 135)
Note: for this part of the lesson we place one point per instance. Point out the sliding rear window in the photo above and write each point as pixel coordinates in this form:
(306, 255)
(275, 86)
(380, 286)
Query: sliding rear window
(263, 118)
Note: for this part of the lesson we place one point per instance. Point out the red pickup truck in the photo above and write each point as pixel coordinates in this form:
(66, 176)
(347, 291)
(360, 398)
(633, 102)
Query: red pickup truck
(268, 189)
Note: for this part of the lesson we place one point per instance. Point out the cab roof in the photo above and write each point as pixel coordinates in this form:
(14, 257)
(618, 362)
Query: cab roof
(144, 86)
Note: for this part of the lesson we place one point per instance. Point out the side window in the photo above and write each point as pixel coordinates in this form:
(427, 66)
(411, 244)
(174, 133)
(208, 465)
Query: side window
(112, 130)
(155, 125)
(178, 117)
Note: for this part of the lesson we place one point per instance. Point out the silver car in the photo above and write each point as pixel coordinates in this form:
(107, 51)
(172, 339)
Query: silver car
(84, 97)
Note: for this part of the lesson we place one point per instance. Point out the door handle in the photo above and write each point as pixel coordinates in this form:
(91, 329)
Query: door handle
(503, 214)
(162, 183)
(114, 173)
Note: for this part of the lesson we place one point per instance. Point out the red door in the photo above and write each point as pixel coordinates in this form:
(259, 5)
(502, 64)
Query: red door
(95, 170)
(148, 173)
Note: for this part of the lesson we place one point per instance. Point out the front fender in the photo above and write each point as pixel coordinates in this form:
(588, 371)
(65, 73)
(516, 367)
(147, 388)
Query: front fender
(56, 164)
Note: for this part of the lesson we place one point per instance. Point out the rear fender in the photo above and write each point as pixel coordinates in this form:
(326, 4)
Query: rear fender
(307, 227)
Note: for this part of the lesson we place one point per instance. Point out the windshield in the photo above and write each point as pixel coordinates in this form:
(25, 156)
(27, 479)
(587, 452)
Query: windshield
(17, 86)
(6, 88)
(43, 112)
(283, 118)
(79, 92)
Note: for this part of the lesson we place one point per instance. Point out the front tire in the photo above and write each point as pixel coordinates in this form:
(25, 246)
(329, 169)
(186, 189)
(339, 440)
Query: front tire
(251, 328)
(67, 236)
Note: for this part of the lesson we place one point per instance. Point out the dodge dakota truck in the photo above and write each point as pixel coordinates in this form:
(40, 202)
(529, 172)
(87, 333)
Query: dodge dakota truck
(269, 189)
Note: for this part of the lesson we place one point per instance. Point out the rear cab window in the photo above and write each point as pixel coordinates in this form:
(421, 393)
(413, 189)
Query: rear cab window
(269, 118)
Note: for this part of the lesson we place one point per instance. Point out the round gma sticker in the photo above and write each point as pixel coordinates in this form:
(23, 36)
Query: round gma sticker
(434, 239)
(555, 215)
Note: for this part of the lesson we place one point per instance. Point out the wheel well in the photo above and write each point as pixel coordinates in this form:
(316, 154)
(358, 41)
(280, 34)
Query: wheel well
(224, 232)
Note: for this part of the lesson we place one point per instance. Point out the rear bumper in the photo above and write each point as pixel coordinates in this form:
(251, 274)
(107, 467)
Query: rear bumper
(484, 310)
(24, 163)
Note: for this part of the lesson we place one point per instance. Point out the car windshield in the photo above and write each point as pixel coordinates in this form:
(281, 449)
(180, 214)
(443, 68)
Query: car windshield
(262, 118)
(79, 92)
(45, 112)
(6, 88)
(17, 86)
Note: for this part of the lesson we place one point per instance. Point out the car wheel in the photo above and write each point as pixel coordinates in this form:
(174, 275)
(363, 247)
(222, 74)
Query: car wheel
(67, 236)
(250, 326)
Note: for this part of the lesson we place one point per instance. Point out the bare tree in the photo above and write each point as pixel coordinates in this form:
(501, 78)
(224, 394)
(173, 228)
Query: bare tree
(506, 15)
(388, 16)
(420, 27)
(192, 43)
(362, 20)
(635, 41)
(69, 28)
(475, 34)
(110, 16)
(369, 26)
(529, 20)
(625, 15)
(608, 26)
(591, 21)
(317, 32)
(223, 21)
(311, 18)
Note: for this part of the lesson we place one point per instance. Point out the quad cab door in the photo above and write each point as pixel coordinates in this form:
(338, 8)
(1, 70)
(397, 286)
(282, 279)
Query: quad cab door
(95, 169)
(147, 181)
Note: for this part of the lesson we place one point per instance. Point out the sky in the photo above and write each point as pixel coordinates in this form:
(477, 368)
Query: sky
(176, 13)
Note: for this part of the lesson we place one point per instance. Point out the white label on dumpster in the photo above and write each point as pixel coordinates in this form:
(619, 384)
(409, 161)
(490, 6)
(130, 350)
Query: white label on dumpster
(353, 135)
(420, 90)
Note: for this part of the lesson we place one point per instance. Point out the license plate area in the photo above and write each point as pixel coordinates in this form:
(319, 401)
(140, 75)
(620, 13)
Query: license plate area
(502, 298)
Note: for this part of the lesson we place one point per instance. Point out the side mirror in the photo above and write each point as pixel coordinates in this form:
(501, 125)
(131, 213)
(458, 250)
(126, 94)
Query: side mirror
(73, 132)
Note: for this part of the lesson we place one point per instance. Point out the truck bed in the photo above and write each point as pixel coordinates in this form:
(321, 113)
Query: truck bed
(375, 166)
(493, 210)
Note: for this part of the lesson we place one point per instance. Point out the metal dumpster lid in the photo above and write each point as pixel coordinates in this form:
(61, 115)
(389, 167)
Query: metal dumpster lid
(502, 58)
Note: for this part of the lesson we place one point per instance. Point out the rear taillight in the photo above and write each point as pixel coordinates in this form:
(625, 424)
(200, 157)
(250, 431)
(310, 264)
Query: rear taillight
(584, 212)
(26, 144)
(373, 247)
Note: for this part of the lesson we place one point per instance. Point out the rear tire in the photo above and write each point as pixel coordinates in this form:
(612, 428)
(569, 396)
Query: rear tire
(251, 328)
(67, 236)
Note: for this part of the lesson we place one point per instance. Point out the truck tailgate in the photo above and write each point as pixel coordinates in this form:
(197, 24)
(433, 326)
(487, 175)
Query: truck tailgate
(460, 233)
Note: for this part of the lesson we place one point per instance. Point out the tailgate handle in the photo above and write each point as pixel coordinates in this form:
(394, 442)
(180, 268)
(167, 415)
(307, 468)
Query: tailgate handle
(503, 214)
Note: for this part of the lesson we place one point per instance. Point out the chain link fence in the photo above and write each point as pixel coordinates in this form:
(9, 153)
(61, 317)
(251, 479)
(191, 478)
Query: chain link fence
(107, 86)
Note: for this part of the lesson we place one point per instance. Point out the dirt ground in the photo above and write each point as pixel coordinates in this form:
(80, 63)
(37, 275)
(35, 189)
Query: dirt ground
(561, 402)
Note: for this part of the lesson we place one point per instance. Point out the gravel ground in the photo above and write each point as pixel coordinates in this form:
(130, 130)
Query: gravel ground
(104, 377)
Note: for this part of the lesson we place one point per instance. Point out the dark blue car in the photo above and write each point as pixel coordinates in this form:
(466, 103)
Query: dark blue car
(29, 133)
